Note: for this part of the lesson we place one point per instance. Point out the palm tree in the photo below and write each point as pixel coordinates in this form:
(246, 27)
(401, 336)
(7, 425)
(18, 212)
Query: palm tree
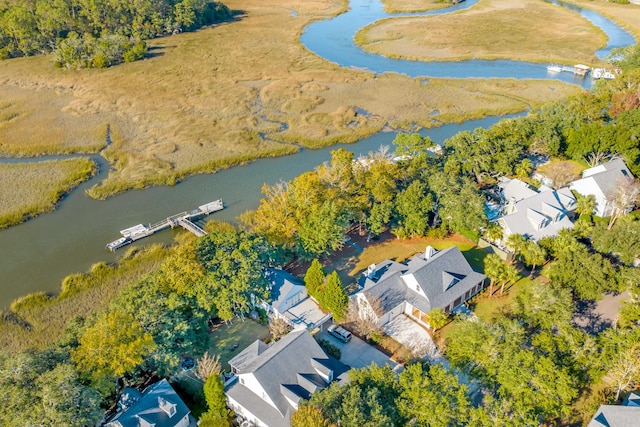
(493, 269)
(493, 231)
(533, 255)
(510, 274)
(585, 205)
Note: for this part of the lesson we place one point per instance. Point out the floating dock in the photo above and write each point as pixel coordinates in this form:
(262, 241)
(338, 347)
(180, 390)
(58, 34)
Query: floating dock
(183, 219)
(578, 70)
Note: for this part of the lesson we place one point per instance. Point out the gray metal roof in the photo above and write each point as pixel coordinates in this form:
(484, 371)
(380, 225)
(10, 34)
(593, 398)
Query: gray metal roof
(608, 175)
(291, 362)
(154, 407)
(541, 215)
(514, 189)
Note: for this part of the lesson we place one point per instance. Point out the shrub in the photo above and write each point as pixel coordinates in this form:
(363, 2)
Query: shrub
(330, 349)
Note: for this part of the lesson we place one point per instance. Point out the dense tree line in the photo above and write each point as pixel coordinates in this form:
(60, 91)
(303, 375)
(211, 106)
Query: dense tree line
(100, 33)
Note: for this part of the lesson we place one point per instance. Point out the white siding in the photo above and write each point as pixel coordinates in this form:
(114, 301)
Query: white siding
(413, 284)
(250, 382)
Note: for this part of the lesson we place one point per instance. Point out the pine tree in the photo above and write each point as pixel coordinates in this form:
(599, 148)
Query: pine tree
(314, 278)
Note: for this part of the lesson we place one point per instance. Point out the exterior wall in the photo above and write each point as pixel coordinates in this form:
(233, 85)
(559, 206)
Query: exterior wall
(365, 311)
(588, 187)
(244, 413)
(250, 382)
(293, 300)
(413, 284)
(416, 315)
(184, 422)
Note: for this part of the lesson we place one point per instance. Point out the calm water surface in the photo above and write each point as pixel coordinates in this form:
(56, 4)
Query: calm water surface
(38, 254)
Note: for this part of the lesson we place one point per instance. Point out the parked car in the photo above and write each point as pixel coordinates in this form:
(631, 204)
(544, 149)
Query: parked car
(339, 332)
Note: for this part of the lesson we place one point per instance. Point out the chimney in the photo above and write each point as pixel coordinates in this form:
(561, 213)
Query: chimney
(371, 271)
(429, 252)
(511, 206)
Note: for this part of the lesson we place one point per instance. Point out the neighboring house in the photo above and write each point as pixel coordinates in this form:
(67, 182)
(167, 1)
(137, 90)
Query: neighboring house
(515, 190)
(431, 280)
(291, 303)
(270, 380)
(602, 182)
(625, 415)
(157, 406)
(535, 214)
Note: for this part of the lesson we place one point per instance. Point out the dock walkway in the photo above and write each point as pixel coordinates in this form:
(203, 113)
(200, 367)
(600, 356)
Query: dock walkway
(183, 219)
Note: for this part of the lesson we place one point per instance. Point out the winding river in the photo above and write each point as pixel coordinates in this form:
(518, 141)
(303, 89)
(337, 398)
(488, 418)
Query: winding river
(37, 255)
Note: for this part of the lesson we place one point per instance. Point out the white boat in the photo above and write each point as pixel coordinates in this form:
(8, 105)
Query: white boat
(554, 68)
(117, 244)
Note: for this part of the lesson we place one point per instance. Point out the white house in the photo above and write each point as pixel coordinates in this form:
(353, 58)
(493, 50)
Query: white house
(602, 182)
(535, 214)
(431, 280)
(290, 302)
(270, 380)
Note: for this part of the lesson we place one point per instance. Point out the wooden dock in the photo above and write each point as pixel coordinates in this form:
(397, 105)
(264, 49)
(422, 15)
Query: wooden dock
(183, 219)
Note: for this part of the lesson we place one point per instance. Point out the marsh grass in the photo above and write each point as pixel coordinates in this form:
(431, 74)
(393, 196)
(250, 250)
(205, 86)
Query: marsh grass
(36, 121)
(402, 6)
(37, 320)
(29, 189)
(625, 15)
(494, 29)
(226, 95)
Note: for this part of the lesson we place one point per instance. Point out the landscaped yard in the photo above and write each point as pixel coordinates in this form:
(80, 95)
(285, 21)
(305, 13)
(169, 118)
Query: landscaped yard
(399, 250)
(227, 340)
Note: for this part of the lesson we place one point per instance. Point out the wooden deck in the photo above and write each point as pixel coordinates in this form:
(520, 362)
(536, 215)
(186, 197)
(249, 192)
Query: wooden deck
(183, 219)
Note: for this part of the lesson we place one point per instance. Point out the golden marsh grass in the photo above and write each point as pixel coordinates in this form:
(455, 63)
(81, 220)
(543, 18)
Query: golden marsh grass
(28, 189)
(403, 6)
(493, 29)
(231, 93)
(37, 320)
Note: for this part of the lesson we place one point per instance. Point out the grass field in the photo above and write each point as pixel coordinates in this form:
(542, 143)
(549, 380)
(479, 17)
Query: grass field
(400, 250)
(493, 29)
(228, 340)
(36, 320)
(29, 189)
(228, 94)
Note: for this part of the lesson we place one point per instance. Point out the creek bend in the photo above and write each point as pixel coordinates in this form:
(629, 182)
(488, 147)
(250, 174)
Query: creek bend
(38, 254)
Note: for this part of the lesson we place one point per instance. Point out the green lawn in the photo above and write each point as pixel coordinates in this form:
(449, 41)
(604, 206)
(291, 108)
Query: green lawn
(241, 333)
(488, 309)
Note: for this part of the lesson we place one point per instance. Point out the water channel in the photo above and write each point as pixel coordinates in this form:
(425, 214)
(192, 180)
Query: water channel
(37, 255)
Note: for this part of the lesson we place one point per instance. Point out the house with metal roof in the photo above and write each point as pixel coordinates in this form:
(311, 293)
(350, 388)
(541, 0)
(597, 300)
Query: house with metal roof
(625, 415)
(156, 406)
(290, 301)
(538, 214)
(431, 280)
(270, 380)
(603, 182)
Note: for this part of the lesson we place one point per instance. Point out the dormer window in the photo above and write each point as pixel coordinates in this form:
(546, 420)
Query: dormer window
(168, 407)
(144, 423)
